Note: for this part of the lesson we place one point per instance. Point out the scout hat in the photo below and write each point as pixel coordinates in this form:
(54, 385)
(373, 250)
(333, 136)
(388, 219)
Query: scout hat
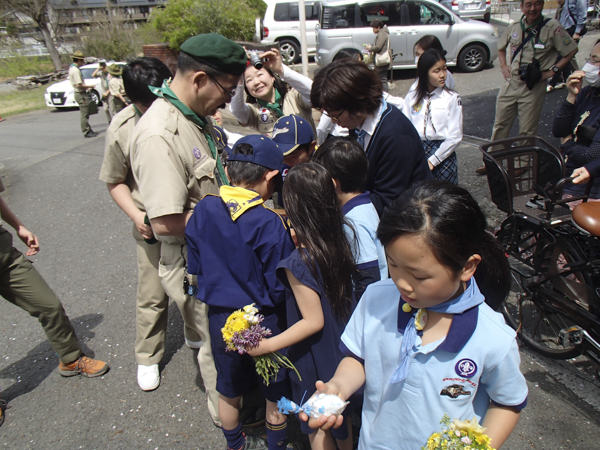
(290, 132)
(113, 69)
(78, 55)
(217, 52)
(266, 153)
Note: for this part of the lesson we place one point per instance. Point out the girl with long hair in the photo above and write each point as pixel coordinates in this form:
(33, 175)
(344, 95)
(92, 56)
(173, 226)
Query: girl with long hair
(436, 113)
(427, 342)
(271, 92)
(421, 46)
(318, 277)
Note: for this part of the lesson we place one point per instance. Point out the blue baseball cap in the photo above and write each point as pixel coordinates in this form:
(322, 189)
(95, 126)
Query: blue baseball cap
(266, 153)
(292, 131)
(220, 136)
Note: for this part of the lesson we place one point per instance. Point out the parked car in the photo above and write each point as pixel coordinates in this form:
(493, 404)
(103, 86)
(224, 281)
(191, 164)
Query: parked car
(469, 44)
(470, 9)
(61, 95)
(282, 24)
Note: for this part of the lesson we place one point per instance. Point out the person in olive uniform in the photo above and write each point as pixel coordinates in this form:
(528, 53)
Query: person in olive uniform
(151, 300)
(515, 97)
(118, 97)
(175, 163)
(102, 73)
(82, 96)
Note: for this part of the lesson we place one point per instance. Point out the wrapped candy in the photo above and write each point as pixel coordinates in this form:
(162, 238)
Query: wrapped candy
(316, 406)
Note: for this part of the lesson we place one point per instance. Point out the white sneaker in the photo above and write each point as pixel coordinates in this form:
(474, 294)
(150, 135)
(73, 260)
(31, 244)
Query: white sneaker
(193, 344)
(148, 377)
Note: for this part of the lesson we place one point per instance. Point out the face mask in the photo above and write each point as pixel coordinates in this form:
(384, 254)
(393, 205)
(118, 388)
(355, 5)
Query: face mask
(592, 76)
(416, 60)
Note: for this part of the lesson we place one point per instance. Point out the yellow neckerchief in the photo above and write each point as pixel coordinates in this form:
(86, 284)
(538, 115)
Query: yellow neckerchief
(239, 200)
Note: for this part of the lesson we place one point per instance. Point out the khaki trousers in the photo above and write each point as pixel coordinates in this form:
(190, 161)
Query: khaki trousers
(152, 304)
(195, 317)
(515, 99)
(23, 286)
(83, 100)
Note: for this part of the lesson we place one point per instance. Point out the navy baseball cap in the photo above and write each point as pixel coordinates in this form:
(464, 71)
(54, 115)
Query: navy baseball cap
(266, 153)
(220, 136)
(292, 131)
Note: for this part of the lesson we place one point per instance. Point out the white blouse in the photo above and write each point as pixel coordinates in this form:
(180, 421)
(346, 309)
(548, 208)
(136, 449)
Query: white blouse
(444, 123)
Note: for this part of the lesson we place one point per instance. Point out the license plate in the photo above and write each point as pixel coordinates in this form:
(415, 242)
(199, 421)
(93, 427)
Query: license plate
(56, 101)
(472, 6)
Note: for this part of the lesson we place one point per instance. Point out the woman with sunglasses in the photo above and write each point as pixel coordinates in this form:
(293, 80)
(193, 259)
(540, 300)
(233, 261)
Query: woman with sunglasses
(272, 92)
(351, 95)
(577, 122)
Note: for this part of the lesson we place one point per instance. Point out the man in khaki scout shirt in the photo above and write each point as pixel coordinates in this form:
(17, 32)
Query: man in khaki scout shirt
(118, 98)
(151, 300)
(82, 96)
(515, 98)
(175, 163)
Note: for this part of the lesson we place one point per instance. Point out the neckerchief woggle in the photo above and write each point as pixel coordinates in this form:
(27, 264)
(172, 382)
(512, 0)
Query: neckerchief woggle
(276, 106)
(165, 92)
(470, 298)
(239, 200)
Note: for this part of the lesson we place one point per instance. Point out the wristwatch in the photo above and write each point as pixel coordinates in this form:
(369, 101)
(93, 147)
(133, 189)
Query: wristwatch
(555, 69)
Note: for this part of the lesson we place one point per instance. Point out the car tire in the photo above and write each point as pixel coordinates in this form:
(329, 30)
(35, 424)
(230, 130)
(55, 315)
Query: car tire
(472, 58)
(95, 98)
(291, 48)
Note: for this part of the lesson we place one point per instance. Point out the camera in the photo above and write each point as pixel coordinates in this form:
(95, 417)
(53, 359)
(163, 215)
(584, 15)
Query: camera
(256, 60)
(524, 71)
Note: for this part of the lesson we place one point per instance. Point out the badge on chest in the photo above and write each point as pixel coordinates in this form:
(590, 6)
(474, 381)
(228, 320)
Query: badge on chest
(265, 117)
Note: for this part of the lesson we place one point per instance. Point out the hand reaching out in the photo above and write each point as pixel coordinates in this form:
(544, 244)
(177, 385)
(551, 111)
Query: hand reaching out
(30, 240)
(325, 422)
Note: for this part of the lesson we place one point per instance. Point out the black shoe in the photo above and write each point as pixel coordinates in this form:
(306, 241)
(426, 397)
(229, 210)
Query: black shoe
(254, 443)
(90, 134)
(252, 416)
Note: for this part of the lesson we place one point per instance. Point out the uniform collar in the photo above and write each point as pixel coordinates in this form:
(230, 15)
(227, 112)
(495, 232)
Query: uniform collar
(437, 92)
(372, 120)
(360, 199)
(462, 327)
(239, 200)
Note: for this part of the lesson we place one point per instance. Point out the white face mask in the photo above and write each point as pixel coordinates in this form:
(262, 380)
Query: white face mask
(592, 75)
(416, 60)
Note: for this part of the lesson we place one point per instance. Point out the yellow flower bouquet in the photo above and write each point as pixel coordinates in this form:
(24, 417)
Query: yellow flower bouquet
(459, 435)
(242, 332)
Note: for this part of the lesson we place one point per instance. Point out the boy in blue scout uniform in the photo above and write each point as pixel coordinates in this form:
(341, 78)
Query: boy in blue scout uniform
(234, 246)
(347, 163)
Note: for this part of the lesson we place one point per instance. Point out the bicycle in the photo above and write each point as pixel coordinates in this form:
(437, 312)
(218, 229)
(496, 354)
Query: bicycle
(554, 255)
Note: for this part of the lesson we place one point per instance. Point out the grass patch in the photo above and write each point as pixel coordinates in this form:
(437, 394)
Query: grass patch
(17, 66)
(17, 102)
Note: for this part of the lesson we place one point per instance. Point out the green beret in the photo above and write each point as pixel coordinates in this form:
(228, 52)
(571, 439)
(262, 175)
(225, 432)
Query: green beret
(217, 52)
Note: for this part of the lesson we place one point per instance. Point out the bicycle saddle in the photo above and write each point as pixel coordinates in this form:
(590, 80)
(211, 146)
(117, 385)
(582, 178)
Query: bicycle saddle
(587, 216)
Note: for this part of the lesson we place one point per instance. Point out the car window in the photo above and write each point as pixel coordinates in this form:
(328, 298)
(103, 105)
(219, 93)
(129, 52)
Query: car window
(87, 73)
(288, 12)
(387, 12)
(338, 17)
(421, 13)
(281, 12)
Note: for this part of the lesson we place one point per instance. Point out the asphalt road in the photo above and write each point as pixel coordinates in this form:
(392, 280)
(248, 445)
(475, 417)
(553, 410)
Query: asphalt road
(88, 257)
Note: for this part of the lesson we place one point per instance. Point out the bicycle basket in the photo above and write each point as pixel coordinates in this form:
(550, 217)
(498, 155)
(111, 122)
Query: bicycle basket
(519, 167)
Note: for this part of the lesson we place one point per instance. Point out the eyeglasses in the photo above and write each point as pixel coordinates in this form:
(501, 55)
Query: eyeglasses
(230, 93)
(593, 61)
(334, 118)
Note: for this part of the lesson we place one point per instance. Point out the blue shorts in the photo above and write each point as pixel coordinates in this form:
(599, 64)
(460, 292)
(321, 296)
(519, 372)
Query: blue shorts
(236, 374)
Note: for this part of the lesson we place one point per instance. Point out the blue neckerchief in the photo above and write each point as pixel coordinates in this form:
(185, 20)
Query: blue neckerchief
(470, 298)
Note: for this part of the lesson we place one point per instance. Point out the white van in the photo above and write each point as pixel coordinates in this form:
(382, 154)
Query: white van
(281, 24)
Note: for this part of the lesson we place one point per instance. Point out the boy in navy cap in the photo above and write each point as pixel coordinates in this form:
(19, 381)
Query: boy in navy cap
(234, 246)
(296, 139)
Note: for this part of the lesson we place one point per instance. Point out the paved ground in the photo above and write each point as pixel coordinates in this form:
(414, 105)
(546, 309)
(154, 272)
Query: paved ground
(88, 257)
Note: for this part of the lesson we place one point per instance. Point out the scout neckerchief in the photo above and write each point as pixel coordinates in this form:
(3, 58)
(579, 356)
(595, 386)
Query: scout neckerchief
(428, 117)
(165, 92)
(276, 106)
(470, 298)
(239, 200)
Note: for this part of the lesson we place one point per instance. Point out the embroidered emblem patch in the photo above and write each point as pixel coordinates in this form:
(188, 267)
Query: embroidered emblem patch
(454, 391)
(466, 368)
(197, 153)
(515, 35)
(233, 206)
(279, 131)
(264, 115)
(567, 41)
(416, 108)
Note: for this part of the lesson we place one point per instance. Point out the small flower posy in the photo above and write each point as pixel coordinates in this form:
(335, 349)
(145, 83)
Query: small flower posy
(242, 332)
(459, 435)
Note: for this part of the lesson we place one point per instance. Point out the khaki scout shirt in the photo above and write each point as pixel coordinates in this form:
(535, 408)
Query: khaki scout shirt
(115, 86)
(263, 119)
(116, 165)
(171, 163)
(553, 40)
(75, 77)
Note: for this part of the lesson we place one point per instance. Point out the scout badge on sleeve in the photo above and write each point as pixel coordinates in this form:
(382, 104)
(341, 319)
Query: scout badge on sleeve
(316, 406)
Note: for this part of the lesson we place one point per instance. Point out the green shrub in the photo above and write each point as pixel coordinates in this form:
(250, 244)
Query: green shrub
(17, 65)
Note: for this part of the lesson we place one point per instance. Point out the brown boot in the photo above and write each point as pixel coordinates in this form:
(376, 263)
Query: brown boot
(84, 366)
(481, 170)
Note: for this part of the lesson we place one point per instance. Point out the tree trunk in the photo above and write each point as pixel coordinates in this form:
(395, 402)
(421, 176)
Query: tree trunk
(51, 48)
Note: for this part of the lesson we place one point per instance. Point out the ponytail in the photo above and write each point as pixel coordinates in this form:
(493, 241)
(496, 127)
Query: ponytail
(493, 272)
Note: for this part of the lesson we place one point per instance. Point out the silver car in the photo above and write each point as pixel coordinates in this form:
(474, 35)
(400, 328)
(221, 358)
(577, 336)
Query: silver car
(469, 44)
(470, 9)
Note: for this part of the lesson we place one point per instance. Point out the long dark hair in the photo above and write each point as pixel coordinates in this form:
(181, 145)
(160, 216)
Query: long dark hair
(426, 61)
(281, 86)
(449, 219)
(312, 207)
